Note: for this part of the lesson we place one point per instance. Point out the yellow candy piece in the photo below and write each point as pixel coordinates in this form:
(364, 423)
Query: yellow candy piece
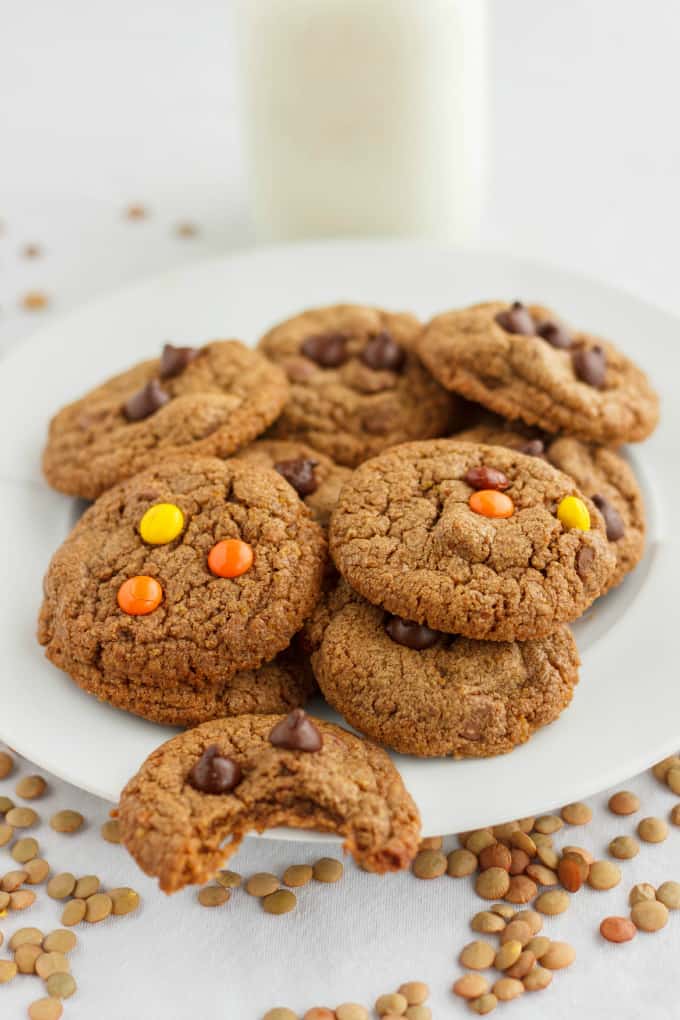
(573, 513)
(161, 524)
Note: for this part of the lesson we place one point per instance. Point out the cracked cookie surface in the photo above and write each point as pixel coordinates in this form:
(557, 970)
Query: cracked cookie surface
(456, 697)
(206, 627)
(351, 410)
(220, 401)
(598, 471)
(350, 786)
(404, 536)
(525, 376)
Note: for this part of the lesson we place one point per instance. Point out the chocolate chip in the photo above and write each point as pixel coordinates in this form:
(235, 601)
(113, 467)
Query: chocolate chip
(175, 359)
(555, 334)
(214, 773)
(612, 518)
(383, 353)
(412, 635)
(299, 472)
(486, 478)
(146, 401)
(516, 319)
(533, 448)
(590, 365)
(584, 561)
(327, 349)
(296, 732)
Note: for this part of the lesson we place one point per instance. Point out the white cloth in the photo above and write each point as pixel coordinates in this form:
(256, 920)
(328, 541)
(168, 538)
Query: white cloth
(99, 109)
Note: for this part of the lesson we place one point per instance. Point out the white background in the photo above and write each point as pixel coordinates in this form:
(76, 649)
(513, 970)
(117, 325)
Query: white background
(102, 105)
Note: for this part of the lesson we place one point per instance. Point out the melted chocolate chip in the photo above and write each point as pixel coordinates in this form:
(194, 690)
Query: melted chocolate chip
(299, 472)
(383, 353)
(214, 773)
(486, 478)
(412, 635)
(327, 349)
(296, 732)
(590, 365)
(517, 319)
(584, 561)
(146, 401)
(175, 359)
(533, 448)
(555, 334)
(613, 520)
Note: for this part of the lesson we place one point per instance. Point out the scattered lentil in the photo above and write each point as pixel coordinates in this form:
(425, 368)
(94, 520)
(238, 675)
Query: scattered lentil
(8, 970)
(280, 902)
(51, 963)
(415, 992)
(36, 870)
(624, 848)
(521, 968)
(507, 988)
(212, 896)
(649, 915)
(431, 843)
(516, 930)
(503, 910)
(34, 301)
(418, 1013)
(73, 912)
(6, 764)
(21, 817)
(328, 869)
(12, 880)
(124, 900)
(537, 979)
(471, 986)
(640, 892)
(487, 922)
(66, 821)
(558, 956)
(59, 941)
(547, 824)
(61, 886)
(61, 986)
(229, 879)
(477, 955)
(652, 830)
(531, 918)
(46, 1009)
(30, 787)
(624, 803)
(519, 861)
(668, 893)
(319, 1013)
(26, 937)
(6, 804)
(579, 851)
(428, 864)
(542, 875)
(617, 929)
(22, 899)
(576, 814)
(508, 954)
(662, 767)
(86, 886)
(386, 1004)
(110, 830)
(479, 840)
(483, 1004)
(351, 1011)
(521, 889)
(262, 883)
(521, 841)
(25, 958)
(542, 839)
(603, 875)
(495, 856)
(461, 863)
(25, 849)
(539, 946)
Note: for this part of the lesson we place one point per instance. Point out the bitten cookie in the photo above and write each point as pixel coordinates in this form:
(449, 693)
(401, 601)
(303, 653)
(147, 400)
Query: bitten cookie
(523, 363)
(233, 776)
(209, 400)
(315, 477)
(184, 575)
(470, 539)
(426, 693)
(357, 384)
(600, 472)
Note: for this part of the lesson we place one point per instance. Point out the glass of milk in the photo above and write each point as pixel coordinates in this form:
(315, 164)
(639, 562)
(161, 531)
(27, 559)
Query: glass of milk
(364, 117)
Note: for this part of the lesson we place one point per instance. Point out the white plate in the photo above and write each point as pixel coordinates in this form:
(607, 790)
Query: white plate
(626, 713)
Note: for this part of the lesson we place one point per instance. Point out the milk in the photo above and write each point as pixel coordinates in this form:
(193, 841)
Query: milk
(364, 117)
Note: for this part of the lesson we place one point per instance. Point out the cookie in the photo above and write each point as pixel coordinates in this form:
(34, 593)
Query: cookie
(206, 401)
(233, 776)
(470, 539)
(315, 478)
(426, 693)
(600, 472)
(523, 363)
(182, 576)
(357, 383)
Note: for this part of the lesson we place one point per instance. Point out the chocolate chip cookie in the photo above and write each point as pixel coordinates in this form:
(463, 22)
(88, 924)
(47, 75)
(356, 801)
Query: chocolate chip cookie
(207, 401)
(426, 693)
(522, 362)
(599, 471)
(233, 776)
(357, 383)
(470, 539)
(315, 477)
(180, 578)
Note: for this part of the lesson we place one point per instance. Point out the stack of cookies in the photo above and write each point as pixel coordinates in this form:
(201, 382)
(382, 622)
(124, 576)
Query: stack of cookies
(408, 516)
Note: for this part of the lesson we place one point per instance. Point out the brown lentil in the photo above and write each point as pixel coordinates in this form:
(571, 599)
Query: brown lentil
(542, 875)
(571, 872)
(508, 954)
(524, 964)
(640, 892)
(617, 929)
(386, 1004)
(61, 986)
(461, 863)
(504, 832)
(519, 861)
(59, 941)
(66, 821)
(548, 824)
(228, 879)
(86, 886)
(350, 1011)
(477, 955)
(21, 817)
(548, 857)
(99, 906)
(46, 1009)
(12, 880)
(124, 900)
(624, 803)
(479, 840)
(558, 956)
(507, 988)
(662, 767)
(652, 830)
(521, 889)
(110, 831)
(603, 875)
(22, 899)
(262, 883)
(516, 931)
(6, 764)
(531, 918)
(624, 848)
(471, 986)
(418, 1013)
(495, 856)
(6, 833)
(212, 896)
(649, 915)
(668, 893)
(487, 922)
(537, 979)
(320, 1013)
(328, 870)
(4, 902)
(492, 883)
(576, 813)
(415, 992)
(30, 787)
(429, 864)
(541, 839)
(51, 963)
(674, 816)
(526, 824)
(552, 903)
(539, 946)
(503, 910)
(280, 1013)
(36, 870)
(25, 849)
(297, 875)
(73, 912)
(62, 885)
(431, 843)
(483, 1004)
(8, 970)
(280, 902)
(521, 841)
(26, 937)
(25, 958)
(579, 851)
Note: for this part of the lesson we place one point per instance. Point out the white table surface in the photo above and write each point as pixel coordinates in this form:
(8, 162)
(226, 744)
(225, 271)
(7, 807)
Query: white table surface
(103, 106)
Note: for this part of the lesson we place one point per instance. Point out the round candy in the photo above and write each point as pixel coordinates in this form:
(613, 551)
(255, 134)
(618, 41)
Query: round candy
(492, 503)
(573, 513)
(140, 595)
(230, 558)
(161, 524)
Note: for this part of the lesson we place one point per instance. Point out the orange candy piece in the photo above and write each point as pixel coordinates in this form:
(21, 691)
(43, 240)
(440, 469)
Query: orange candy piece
(140, 595)
(492, 503)
(230, 558)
